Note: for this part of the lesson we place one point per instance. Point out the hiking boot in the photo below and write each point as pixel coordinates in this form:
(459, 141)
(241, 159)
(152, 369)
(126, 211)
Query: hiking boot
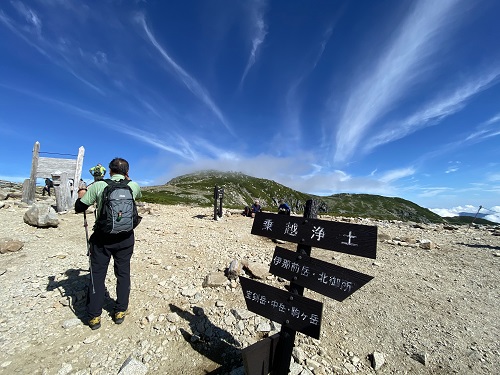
(95, 323)
(119, 317)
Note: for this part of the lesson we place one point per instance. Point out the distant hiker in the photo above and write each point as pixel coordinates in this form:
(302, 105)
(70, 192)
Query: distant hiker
(283, 209)
(251, 211)
(98, 172)
(48, 185)
(255, 207)
(113, 236)
(82, 184)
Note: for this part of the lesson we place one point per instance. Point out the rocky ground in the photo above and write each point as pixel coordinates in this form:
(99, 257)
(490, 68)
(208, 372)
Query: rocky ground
(432, 310)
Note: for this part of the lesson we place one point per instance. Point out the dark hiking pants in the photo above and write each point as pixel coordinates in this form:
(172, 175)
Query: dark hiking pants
(102, 248)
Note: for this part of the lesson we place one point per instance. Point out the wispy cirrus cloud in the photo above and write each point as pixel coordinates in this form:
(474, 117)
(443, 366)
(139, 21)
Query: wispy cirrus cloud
(171, 141)
(434, 112)
(32, 19)
(31, 32)
(259, 32)
(294, 99)
(397, 174)
(484, 130)
(401, 64)
(192, 84)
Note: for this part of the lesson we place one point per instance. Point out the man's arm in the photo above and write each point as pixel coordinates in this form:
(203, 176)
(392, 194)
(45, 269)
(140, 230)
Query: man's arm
(79, 205)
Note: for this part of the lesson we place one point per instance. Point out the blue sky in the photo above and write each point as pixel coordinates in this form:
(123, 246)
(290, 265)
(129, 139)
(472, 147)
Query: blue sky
(397, 98)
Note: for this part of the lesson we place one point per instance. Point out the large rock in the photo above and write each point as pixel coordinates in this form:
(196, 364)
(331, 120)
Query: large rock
(41, 216)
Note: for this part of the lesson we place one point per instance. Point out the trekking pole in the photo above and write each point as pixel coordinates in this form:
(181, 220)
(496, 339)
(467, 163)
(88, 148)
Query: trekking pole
(88, 249)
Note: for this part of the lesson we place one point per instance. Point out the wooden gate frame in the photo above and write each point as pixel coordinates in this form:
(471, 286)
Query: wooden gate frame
(44, 167)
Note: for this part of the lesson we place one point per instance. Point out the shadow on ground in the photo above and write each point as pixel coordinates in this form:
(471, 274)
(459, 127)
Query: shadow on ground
(480, 246)
(74, 289)
(212, 342)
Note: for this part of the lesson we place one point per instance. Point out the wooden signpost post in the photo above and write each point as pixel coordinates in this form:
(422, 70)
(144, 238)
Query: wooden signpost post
(218, 197)
(291, 309)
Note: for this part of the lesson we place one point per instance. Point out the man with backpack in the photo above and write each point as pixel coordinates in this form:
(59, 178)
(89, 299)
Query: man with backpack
(113, 236)
(98, 172)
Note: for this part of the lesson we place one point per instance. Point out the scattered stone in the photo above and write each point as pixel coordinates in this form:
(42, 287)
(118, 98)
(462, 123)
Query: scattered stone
(295, 369)
(91, 339)
(10, 246)
(383, 237)
(263, 327)
(189, 292)
(257, 270)
(242, 314)
(71, 323)
(426, 244)
(423, 358)
(173, 317)
(215, 280)
(298, 354)
(65, 369)
(234, 269)
(377, 360)
(132, 366)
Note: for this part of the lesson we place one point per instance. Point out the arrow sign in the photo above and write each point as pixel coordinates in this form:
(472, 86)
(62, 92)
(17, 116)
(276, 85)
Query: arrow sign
(297, 312)
(355, 239)
(330, 280)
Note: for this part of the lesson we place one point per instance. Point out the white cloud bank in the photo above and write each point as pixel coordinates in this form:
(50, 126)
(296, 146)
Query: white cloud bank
(493, 214)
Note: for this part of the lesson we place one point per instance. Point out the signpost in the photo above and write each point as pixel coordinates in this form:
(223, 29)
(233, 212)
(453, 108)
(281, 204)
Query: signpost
(218, 196)
(355, 239)
(299, 313)
(328, 279)
(294, 312)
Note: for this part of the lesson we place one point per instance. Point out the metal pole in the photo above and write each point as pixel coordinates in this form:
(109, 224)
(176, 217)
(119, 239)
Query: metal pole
(85, 224)
(286, 341)
(473, 219)
(216, 195)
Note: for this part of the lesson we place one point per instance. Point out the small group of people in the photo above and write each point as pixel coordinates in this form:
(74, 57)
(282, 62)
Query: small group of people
(283, 208)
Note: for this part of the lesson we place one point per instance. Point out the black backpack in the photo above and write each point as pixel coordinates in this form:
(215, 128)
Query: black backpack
(118, 209)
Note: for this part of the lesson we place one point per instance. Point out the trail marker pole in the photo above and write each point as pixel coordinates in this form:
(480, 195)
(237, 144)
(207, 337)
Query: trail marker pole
(218, 196)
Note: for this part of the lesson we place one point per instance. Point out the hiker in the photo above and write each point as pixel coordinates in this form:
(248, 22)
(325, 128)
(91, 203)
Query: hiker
(251, 211)
(283, 209)
(98, 172)
(255, 208)
(48, 185)
(104, 243)
(82, 184)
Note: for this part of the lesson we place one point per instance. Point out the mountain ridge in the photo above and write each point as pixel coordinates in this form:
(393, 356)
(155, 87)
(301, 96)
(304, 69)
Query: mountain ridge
(241, 190)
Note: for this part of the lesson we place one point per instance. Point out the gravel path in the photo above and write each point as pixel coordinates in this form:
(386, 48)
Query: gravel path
(427, 311)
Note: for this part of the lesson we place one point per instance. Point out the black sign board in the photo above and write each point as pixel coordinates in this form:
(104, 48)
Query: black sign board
(355, 239)
(297, 312)
(328, 279)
